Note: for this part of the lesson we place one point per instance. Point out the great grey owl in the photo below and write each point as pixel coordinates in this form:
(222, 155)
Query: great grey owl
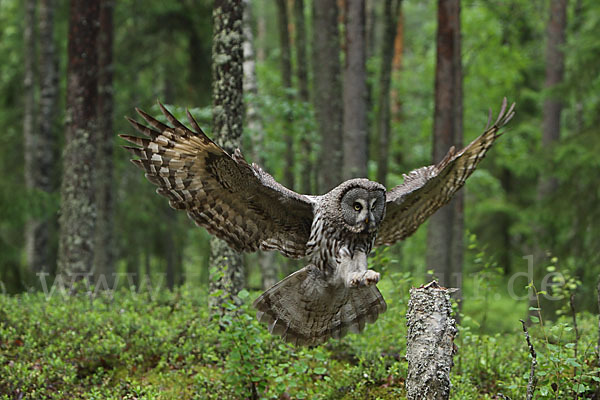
(243, 205)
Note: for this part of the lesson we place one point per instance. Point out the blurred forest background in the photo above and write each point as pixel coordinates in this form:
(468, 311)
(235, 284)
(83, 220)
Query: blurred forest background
(332, 89)
(535, 194)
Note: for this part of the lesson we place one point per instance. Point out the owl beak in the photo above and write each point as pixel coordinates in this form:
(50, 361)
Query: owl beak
(370, 225)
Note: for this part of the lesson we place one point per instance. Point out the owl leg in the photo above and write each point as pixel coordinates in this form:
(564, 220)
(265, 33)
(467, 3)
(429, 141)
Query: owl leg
(352, 269)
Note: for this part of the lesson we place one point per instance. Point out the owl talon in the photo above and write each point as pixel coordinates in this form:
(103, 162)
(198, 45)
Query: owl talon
(366, 278)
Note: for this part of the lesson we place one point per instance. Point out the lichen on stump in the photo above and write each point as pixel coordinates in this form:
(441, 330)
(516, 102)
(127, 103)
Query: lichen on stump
(430, 342)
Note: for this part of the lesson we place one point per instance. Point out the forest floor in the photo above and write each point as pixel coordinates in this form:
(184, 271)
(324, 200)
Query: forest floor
(164, 345)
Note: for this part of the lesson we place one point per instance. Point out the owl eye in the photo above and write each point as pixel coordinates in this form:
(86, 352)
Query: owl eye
(357, 206)
(373, 207)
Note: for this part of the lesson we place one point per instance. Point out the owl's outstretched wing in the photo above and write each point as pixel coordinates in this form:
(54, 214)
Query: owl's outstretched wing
(426, 189)
(236, 201)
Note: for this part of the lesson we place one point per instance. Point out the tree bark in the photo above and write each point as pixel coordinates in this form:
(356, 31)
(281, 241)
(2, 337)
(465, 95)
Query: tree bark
(104, 257)
(36, 236)
(47, 141)
(555, 69)
(286, 79)
(78, 203)
(250, 87)
(227, 268)
(551, 115)
(327, 92)
(396, 101)
(302, 74)
(445, 235)
(391, 11)
(266, 259)
(355, 144)
(430, 342)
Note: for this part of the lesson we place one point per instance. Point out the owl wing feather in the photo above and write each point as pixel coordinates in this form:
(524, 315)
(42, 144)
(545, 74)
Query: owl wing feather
(426, 189)
(238, 202)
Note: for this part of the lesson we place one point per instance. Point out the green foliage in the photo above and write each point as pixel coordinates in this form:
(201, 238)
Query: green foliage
(163, 345)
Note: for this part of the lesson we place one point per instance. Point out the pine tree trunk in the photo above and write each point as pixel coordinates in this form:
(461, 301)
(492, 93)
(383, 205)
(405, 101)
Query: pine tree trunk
(327, 92)
(555, 67)
(551, 115)
(396, 101)
(391, 10)
(445, 234)
(227, 269)
(355, 144)
(302, 74)
(286, 80)
(104, 256)
(78, 202)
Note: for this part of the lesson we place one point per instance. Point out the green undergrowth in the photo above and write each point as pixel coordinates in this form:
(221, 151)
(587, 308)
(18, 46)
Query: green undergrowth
(164, 345)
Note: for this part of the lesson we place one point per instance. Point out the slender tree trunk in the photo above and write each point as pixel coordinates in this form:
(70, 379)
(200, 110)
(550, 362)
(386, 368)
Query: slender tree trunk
(104, 256)
(47, 141)
(551, 114)
(286, 78)
(78, 203)
(555, 67)
(391, 11)
(327, 92)
(370, 22)
(253, 118)
(396, 101)
(355, 93)
(445, 235)
(505, 223)
(170, 248)
(227, 269)
(371, 17)
(266, 259)
(302, 74)
(35, 235)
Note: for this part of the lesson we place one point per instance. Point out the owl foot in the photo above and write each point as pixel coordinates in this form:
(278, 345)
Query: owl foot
(364, 278)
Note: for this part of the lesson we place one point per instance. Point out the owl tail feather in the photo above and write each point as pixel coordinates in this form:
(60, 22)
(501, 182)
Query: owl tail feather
(306, 310)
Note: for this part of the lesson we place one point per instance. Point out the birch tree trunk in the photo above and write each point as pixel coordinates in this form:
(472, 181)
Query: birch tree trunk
(227, 268)
(430, 343)
(355, 93)
(78, 189)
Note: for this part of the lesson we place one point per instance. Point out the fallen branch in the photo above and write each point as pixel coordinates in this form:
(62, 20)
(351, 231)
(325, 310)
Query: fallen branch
(532, 378)
(430, 342)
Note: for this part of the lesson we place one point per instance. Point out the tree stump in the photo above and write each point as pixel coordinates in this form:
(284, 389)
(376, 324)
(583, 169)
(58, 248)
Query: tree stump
(430, 342)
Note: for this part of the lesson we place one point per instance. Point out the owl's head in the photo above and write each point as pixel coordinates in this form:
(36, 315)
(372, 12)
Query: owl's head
(362, 205)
